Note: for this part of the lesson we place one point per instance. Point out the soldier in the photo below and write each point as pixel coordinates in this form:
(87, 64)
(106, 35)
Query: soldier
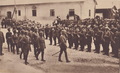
(50, 35)
(35, 36)
(46, 31)
(15, 42)
(75, 35)
(26, 46)
(82, 38)
(54, 35)
(89, 35)
(97, 39)
(2, 40)
(3, 22)
(41, 46)
(106, 39)
(21, 36)
(70, 38)
(116, 43)
(63, 46)
(9, 40)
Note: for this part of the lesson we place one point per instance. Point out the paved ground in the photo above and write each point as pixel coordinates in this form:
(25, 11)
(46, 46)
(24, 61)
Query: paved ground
(81, 62)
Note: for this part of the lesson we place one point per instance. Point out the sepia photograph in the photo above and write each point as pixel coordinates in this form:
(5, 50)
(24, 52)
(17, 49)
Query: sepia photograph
(59, 36)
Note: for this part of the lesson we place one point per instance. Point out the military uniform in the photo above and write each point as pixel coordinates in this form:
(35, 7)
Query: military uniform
(63, 46)
(54, 35)
(2, 40)
(26, 46)
(70, 38)
(15, 42)
(41, 47)
(9, 40)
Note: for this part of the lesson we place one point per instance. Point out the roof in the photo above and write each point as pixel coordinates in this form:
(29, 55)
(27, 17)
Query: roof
(107, 4)
(21, 2)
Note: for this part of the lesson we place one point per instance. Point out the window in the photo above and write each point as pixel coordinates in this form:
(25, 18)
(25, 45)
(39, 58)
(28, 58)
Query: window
(52, 12)
(19, 13)
(89, 12)
(71, 12)
(33, 12)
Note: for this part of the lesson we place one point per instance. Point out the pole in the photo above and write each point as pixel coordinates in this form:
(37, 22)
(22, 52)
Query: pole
(15, 10)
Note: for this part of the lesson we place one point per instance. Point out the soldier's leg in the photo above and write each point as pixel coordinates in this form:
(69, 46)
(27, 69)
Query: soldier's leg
(69, 43)
(17, 49)
(13, 49)
(61, 51)
(21, 53)
(112, 45)
(26, 55)
(106, 48)
(42, 55)
(54, 40)
(97, 47)
(37, 54)
(66, 57)
(89, 46)
(0, 49)
(8, 46)
(34, 49)
(50, 40)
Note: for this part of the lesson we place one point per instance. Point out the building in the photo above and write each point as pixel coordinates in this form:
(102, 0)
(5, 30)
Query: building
(106, 8)
(48, 10)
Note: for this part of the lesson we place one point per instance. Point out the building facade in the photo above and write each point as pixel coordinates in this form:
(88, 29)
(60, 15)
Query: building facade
(48, 11)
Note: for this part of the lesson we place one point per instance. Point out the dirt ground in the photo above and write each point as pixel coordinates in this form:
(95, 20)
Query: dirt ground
(81, 62)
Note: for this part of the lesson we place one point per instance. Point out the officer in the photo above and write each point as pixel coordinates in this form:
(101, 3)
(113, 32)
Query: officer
(9, 40)
(2, 40)
(41, 46)
(15, 42)
(26, 46)
(63, 46)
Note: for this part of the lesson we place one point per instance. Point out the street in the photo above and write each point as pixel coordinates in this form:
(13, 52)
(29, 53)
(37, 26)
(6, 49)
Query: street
(81, 62)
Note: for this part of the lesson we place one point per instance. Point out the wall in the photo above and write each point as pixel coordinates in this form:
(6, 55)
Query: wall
(43, 11)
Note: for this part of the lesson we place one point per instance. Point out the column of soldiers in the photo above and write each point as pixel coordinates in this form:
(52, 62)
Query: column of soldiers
(23, 37)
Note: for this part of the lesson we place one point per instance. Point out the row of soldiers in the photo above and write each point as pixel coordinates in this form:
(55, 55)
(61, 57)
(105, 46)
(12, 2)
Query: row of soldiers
(106, 33)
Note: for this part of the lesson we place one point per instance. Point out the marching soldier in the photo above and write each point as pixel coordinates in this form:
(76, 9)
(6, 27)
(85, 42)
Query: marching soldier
(9, 40)
(63, 46)
(15, 42)
(26, 46)
(41, 46)
(75, 38)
